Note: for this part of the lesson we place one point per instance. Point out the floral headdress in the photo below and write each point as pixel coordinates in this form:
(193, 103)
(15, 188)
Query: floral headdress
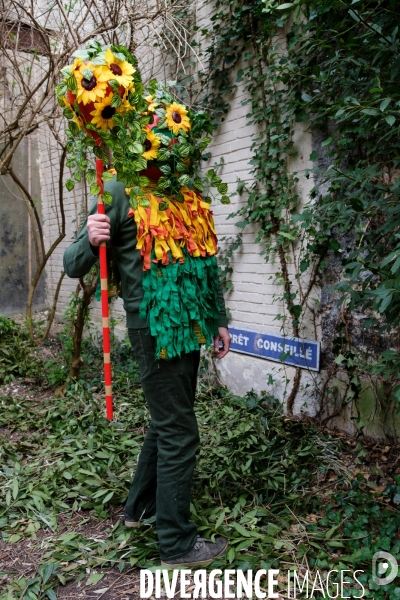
(155, 140)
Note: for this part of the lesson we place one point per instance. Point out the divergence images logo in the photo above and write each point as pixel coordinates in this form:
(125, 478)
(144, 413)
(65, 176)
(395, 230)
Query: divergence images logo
(386, 570)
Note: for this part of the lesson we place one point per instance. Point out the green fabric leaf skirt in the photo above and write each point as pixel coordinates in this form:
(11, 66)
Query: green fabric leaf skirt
(180, 304)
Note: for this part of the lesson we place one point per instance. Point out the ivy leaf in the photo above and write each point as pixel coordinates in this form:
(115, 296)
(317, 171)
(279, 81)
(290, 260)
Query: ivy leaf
(95, 189)
(184, 150)
(184, 180)
(114, 85)
(107, 197)
(241, 224)
(70, 184)
(136, 148)
(144, 202)
(204, 143)
(145, 121)
(181, 167)
(165, 140)
(107, 176)
(68, 113)
(60, 90)
(116, 101)
(81, 54)
(73, 127)
(90, 175)
(72, 84)
(133, 98)
(164, 154)
(99, 153)
(66, 72)
(87, 73)
(144, 181)
(287, 235)
(198, 184)
(99, 61)
(139, 164)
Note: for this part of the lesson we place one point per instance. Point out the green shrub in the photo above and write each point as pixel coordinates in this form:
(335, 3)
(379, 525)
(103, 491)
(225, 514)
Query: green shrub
(17, 358)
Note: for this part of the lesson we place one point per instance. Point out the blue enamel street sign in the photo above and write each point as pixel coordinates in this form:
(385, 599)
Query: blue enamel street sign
(285, 349)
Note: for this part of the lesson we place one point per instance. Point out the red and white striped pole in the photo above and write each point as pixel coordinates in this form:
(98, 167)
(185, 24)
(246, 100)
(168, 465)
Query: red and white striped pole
(104, 300)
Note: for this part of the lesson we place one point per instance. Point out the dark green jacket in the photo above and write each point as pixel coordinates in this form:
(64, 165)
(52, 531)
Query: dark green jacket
(81, 256)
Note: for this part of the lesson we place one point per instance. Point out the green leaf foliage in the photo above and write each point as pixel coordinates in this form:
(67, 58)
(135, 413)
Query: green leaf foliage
(261, 480)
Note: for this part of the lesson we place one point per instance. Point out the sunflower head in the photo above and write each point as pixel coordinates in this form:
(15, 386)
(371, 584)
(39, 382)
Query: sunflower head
(151, 146)
(176, 117)
(92, 83)
(103, 115)
(118, 69)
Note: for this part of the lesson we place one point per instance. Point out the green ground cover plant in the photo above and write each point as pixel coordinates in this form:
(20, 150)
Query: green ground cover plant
(17, 358)
(279, 489)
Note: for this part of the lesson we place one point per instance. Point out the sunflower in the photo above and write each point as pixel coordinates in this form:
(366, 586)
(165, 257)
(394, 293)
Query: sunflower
(176, 117)
(90, 90)
(152, 105)
(121, 70)
(151, 145)
(103, 115)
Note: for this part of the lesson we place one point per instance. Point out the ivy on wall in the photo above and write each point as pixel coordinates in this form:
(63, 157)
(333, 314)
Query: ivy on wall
(332, 65)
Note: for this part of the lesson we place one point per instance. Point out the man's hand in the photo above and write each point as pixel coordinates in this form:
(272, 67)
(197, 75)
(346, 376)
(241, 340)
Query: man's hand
(224, 337)
(99, 229)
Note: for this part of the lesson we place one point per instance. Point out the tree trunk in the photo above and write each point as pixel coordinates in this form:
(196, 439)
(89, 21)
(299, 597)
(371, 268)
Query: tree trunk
(79, 324)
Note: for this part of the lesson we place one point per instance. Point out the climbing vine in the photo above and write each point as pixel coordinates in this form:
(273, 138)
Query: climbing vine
(333, 66)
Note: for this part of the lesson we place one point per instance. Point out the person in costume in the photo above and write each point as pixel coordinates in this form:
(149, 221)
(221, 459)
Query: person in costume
(164, 244)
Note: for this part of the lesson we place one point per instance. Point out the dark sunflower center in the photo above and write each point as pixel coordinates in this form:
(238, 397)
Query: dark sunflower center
(147, 145)
(108, 112)
(116, 69)
(176, 117)
(89, 84)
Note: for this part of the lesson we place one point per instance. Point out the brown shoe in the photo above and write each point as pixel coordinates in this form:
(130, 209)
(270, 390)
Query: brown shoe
(203, 553)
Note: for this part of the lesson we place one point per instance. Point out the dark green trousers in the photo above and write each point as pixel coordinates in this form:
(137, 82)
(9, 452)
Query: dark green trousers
(163, 478)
